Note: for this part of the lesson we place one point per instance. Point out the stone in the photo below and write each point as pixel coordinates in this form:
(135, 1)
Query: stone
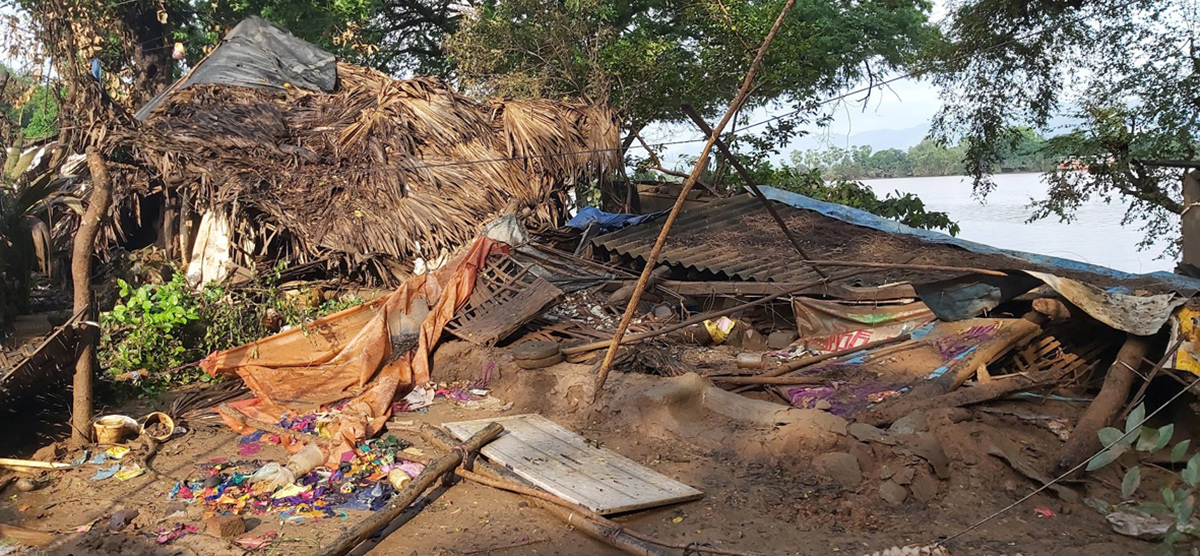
(886, 472)
(823, 405)
(924, 486)
(864, 455)
(929, 448)
(781, 339)
(866, 433)
(893, 493)
(225, 526)
(753, 340)
(910, 424)
(842, 467)
(122, 518)
(905, 476)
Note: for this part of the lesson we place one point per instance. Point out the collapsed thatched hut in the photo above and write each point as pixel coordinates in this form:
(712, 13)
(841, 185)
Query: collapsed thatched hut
(369, 176)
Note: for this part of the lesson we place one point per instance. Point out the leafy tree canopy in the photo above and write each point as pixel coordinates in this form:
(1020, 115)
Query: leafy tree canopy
(1124, 72)
(646, 57)
(134, 39)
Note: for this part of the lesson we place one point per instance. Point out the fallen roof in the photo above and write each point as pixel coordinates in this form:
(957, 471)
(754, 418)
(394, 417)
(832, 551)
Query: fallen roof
(735, 238)
(258, 53)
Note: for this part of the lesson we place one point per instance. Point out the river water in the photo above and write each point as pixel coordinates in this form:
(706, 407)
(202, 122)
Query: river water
(1096, 236)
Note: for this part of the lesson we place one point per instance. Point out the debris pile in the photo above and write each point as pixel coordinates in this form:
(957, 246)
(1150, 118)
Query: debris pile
(862, 360)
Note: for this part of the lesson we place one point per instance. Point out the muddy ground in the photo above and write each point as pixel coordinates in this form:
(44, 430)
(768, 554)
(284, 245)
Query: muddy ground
(775, 480)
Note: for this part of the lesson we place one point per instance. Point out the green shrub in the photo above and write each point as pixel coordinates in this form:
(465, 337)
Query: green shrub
(162, 329)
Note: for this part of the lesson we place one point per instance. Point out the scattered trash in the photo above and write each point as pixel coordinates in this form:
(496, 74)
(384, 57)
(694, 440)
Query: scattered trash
(130, 472)
(251, 542)
(106, 472)
(1045, 512)
(165, 536)
(1138, 525)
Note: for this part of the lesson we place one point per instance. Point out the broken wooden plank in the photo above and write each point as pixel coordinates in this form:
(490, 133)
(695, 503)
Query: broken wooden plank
(507, 295)
(564, 464)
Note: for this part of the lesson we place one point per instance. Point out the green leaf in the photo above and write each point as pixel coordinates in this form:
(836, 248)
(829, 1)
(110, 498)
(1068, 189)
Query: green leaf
(1133, 478)
(1183, 510)
(1135, 418)
(1168, 497)
(1180, 451)
(1147, 439)
(1165, 433)
(1110, 436)
(1104, 458)
(1152, 508)
(1191, 473)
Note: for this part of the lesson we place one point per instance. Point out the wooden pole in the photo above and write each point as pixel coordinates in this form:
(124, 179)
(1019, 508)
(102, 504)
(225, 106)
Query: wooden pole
(652, 259)
(746, 177)
(810, 361)
(434, 471)
(1084, 440)
(81, 275)
(1190, 220)
(769, 380)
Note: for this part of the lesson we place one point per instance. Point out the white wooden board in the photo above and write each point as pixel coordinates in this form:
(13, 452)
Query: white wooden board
(564, 464)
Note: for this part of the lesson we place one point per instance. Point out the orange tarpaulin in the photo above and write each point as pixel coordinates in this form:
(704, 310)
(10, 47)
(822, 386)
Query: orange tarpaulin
(350, 355)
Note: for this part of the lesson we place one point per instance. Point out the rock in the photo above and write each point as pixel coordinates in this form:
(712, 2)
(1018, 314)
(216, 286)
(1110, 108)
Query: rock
(842, 467)
(905, 476)
(864, 455)
(823, 405)
(929, 448)
(886, 472)
(924, 486)
(910, 424)
(893, 493)
(780, 339)
(225, 526)
(25, 484)
(753, 340)
(122, 518)
(50, 452)
(867, 433)
(535, 349)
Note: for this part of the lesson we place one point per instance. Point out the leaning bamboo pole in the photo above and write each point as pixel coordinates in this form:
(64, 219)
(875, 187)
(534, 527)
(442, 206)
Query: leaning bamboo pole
(701, 162)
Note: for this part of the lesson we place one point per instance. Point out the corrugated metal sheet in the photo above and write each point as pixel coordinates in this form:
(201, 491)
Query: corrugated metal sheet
(723, 258)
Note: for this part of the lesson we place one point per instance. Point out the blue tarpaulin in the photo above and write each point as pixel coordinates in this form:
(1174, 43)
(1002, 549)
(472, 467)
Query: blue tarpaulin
(1180, 283)
(609, 221)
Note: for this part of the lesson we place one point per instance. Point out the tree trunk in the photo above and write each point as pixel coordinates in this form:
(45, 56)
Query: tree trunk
(81, 274)
(1191, 219)
(1113, 394)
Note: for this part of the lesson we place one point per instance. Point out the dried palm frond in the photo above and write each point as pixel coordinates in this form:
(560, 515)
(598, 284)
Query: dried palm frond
(377, 174)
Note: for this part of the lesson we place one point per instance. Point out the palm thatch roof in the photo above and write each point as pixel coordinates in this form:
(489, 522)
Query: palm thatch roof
(376, 174)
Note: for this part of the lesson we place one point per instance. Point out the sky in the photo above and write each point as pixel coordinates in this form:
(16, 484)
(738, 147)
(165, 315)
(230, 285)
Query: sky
(904, 105)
